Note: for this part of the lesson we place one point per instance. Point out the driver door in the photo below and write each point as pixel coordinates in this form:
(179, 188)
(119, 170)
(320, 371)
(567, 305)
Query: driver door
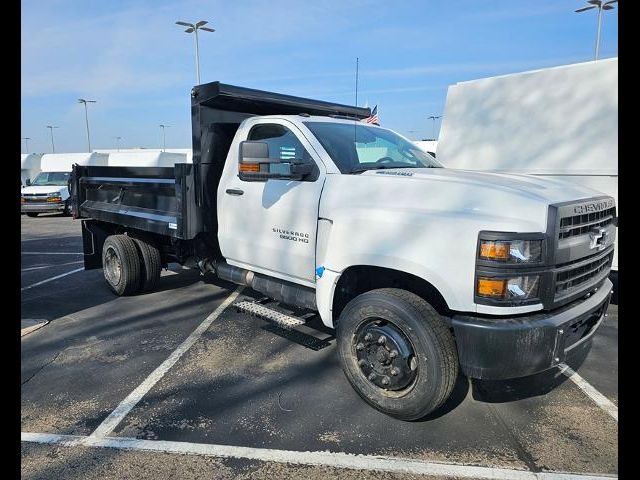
(270, 226)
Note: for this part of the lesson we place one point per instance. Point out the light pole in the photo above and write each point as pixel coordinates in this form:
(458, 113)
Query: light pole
(26, 143)
(164, 143)
(118, 142)
(193, 28)
(86, 118)
(53, 147)
(433, 130)
(600, 5)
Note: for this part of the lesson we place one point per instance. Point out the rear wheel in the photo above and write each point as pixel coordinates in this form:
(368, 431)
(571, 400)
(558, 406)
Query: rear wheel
(32, 214)
(150, 264)
(121, 264)
(397, 352)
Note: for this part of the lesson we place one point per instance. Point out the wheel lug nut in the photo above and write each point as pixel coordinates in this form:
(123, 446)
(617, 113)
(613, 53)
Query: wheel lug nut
(394, 372)
(372, 376)
(393, 353)
(381, 340)
(385, 380)
(360, 346)
(368, 337)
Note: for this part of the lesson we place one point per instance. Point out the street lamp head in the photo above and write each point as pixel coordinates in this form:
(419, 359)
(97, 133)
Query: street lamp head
(201, 23)
(185, 24)
(607, 7)
(584, 9)
(190, 30)
(207, 29)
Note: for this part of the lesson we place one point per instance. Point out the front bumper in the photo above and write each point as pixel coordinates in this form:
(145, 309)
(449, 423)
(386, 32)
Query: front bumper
(500, 348)
(42, 207)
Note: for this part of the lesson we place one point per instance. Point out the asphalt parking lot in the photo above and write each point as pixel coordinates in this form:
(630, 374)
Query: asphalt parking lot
(170, 384)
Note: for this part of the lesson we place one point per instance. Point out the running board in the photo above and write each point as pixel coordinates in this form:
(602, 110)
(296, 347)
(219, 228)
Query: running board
(282, 319)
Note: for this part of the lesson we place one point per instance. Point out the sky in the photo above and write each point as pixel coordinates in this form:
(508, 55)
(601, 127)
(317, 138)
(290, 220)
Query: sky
(139, 66)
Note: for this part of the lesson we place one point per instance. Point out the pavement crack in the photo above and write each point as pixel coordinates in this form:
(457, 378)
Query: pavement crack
(521, 451)
(41, 368)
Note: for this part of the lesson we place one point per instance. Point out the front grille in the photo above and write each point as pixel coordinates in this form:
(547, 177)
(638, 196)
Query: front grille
(582, 224)
(35, 198)
(572, 279)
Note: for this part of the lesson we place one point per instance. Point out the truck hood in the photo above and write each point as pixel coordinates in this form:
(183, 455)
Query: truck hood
(526, 186)
(40, 189)
(490, 201)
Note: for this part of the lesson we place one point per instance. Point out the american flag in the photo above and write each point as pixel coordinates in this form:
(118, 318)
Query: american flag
(373, 118)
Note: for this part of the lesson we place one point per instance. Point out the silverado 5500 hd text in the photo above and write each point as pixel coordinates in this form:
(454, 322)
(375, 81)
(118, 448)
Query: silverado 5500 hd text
(423, 271)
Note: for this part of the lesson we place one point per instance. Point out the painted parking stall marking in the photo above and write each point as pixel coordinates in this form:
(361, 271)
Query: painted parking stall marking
(325, 458)
(51, 279)
(603, 402)
(121, 411)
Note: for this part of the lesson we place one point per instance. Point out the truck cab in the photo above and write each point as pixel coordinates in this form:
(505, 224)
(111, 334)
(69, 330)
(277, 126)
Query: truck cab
(423, 271)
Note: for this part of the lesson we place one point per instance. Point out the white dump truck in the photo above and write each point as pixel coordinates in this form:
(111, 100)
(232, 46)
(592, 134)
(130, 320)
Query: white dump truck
(29, 167)
(49, 190)
(423, 271)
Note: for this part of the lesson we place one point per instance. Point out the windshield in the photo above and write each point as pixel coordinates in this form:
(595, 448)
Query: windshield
(58, 179)
(356, 147)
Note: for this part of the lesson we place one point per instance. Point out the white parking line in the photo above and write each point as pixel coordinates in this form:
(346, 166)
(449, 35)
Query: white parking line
(49, 266)
(51, 279)
(115, 417)
(325, 459)
(603, 402)
(51, 253)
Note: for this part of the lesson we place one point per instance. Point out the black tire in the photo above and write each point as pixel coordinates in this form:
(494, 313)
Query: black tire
(32, 214)
(121, 264)
(67, 209)
(150, 264)
(434, 352)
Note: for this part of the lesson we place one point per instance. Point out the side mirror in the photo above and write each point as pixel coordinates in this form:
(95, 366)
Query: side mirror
(28, 182)
(254, 164)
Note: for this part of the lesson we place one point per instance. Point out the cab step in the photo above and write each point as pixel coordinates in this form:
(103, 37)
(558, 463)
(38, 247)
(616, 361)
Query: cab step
(259, 310)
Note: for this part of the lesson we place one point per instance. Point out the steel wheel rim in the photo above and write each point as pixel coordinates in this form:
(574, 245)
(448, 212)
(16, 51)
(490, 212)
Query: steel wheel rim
(112, 266)
(385, 356)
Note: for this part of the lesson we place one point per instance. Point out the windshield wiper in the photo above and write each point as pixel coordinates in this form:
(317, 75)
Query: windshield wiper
(376, 167)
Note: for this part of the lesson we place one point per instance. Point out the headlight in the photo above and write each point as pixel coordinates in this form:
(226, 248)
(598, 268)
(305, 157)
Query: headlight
(511, 251)
(511, 288)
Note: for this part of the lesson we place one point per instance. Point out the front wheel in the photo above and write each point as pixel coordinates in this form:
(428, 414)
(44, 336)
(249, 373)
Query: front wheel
(397, 352)
(32, 214)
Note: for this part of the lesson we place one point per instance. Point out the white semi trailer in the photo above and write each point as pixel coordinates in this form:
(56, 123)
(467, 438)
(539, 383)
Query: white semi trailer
(559, 123)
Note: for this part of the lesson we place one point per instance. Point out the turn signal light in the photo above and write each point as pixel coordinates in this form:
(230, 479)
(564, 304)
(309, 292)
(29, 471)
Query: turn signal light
(249, 167)
(488, 287)
(494, 250)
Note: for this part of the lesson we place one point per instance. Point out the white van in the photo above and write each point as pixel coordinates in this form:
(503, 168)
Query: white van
(559, 123)
(144, 158)
(49, 191)
(29, 167)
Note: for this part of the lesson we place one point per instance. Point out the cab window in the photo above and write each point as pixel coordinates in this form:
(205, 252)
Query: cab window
(283, 145)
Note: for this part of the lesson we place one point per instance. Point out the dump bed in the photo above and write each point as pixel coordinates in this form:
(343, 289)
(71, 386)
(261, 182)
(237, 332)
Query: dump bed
(180, 202)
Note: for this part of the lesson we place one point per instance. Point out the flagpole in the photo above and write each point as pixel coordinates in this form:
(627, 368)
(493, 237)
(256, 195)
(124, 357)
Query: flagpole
(357, 60)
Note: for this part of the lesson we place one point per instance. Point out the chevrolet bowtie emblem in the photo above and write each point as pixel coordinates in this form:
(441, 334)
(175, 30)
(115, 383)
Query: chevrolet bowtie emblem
(599, 237)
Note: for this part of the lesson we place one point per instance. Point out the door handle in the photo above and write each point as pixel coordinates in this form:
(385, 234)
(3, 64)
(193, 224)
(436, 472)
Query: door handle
(234, 191)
